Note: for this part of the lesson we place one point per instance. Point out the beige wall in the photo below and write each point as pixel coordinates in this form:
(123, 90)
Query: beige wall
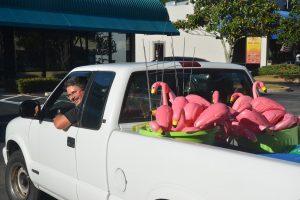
(205, 45)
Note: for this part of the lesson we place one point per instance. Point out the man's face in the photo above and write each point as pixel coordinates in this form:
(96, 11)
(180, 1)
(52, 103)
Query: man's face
(75, 94)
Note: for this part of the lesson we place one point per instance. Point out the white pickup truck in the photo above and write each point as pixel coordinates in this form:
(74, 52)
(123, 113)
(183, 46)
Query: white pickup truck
(105, 158)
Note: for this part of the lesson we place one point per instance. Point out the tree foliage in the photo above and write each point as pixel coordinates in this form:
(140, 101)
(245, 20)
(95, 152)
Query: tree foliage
(231, 20)
(289, 30)
(164, 1)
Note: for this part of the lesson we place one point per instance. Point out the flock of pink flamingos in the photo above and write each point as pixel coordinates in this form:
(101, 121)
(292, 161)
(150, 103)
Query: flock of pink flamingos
(247, 117)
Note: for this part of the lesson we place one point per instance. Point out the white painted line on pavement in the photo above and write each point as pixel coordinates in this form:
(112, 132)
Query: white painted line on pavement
(7, 100)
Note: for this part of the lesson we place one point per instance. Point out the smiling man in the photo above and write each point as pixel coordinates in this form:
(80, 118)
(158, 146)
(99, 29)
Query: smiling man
(75, 91)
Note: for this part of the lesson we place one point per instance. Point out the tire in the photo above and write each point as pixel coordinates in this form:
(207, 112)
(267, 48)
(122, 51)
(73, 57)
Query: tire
(17, 181)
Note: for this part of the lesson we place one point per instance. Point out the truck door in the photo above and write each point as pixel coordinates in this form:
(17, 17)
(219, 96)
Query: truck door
(53, 150)
(92, 138)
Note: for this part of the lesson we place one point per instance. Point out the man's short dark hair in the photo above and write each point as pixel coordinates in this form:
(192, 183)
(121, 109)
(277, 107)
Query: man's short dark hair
(76, 81)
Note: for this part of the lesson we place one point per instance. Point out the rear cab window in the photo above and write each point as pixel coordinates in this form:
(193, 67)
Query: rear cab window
(137, 103)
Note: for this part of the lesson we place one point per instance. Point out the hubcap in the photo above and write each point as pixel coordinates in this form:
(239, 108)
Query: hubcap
(20, 182)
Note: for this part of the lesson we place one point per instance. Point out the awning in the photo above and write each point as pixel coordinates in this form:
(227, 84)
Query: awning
(124, 16)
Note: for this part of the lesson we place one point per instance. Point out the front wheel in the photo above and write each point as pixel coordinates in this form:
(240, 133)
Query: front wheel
(17, 181)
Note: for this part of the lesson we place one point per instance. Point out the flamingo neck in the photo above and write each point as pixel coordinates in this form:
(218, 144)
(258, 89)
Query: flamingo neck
(254, 89)
(216, 96)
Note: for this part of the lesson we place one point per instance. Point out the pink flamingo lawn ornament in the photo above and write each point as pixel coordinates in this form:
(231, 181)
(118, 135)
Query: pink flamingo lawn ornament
(211, 116)
(262, 104)
(241, 101)
(163, 116)
(163, 113)
(193, 98)
(288, 121)
(233, 128)
(253, 120)
(165, 90)
(185, 113)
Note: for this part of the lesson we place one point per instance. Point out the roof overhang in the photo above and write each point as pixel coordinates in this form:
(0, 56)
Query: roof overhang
(122, 20)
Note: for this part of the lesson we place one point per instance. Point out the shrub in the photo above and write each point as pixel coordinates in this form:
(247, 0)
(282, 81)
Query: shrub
(280, 70)
(28, 85)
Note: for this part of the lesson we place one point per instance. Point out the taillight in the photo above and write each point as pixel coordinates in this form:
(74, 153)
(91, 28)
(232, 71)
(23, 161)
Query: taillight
(189, 64)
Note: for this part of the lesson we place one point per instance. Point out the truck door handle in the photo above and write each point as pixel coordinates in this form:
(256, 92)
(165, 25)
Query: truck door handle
(71, 142)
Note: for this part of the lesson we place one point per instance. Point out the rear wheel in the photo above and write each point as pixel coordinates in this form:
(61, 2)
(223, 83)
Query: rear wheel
(17, 181)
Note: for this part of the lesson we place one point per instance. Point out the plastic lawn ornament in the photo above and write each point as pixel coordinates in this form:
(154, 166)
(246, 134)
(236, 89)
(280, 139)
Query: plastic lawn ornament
(274, 116)
(253, 120)
(166, 91)
(241, 101)
(211, 116)
(288, 121)
(192, 98)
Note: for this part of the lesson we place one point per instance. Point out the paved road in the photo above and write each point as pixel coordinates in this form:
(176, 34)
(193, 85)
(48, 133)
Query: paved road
(9, 110)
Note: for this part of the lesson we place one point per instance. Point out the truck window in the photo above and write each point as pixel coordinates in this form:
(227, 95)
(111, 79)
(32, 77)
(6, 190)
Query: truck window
(58, 101)
(136, 104)
(93, 107)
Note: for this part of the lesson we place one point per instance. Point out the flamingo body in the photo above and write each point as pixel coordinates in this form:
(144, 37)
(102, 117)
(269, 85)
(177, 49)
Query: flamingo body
(273, 116)
(192, 98)
(178, 108)
(241, 102)
(288, 121)
(262, 104)
(192, 112)
(253, 120)
(163, 117)
(212, 115)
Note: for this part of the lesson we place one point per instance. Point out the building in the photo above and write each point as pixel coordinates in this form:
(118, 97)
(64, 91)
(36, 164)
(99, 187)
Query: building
(194, 44)
(45, 36)
(201, 44)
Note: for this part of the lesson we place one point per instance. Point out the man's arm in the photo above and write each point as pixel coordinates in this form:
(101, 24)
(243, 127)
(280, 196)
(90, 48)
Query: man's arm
(61, 121)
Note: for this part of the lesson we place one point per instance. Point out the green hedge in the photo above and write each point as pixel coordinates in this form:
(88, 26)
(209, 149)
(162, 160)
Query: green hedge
(29, 85)
(280, 69)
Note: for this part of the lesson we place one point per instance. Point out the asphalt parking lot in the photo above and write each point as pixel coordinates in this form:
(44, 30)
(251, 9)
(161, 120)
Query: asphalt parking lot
(9, 110)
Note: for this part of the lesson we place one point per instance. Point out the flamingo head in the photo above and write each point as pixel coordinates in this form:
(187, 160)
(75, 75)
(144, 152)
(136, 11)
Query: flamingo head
(234, 96)
(262, 86)
(154, 87)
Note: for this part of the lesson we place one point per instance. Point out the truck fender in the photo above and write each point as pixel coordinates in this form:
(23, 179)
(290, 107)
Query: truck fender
(20, 143)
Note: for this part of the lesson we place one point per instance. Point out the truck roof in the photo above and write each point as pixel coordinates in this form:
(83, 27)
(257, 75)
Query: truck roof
(141, 66)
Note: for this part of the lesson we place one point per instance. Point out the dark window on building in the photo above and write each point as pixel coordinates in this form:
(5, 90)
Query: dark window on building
(159, 50)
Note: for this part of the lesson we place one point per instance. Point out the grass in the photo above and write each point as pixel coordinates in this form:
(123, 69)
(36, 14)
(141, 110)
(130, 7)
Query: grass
(273, 81)
(278, 79)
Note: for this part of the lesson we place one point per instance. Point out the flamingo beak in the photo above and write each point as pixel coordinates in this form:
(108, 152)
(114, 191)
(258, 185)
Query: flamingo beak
(264, 88)
(160, 130)
(153, 112)
(231, 99)
(153, 91)
(174, 123)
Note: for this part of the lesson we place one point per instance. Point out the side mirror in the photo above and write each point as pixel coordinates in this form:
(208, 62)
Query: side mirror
(30, 108)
